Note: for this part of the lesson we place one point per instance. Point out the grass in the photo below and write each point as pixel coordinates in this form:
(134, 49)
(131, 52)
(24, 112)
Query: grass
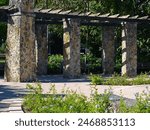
(120, 80)
(71, 102)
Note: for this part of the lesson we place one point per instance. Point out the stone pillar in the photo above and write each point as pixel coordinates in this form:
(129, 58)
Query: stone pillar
(129, 49)
(71, 48)
(20, 50)
(41, 48)
(108, 40)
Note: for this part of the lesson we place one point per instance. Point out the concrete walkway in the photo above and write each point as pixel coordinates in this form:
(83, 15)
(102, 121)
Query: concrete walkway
(11, 97)
(11, 93)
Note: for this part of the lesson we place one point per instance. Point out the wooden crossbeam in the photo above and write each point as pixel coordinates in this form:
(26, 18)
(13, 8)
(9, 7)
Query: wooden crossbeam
(38, 9)
(49, 14)
(114, 16)
(95, 15)
(45, 10)
(104, 15)
(55, 11)
(124, 16)
(75, 13)
(144, 17)
(134, 17)
(86, 14)
(65, 12)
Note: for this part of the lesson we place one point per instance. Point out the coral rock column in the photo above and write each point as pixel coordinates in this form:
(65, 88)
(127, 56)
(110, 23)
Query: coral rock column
(41, 48)
(20, 51)
(129, 49)
(71, 48)
(108, 36)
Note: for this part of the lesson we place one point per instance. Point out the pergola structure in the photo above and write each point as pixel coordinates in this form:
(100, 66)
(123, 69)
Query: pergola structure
(27, 40)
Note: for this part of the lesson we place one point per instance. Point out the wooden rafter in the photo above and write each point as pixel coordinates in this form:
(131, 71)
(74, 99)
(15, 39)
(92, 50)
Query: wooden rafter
(48, 14)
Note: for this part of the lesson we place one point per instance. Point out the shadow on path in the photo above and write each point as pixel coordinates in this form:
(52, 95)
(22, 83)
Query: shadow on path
(6, 92)
(60, 79)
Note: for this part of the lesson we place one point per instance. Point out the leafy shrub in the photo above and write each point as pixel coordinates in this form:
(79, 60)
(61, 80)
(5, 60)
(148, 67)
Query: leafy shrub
(55, 64)
(4, 2)
(96, 80)
(120, 80)
(91, 63)
(2, 48)
(71, 102)
(142, 104)
(117, 80)
(141, 79)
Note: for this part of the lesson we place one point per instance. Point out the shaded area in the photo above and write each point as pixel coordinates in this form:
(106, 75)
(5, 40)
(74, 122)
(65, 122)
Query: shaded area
(60, 79)
(6, 92)
(116, 100)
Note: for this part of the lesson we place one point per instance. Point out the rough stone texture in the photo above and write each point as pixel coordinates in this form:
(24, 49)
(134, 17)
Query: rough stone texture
(129, 49)
(108, 36)
(20, 50)
(41, 49)
(71, 49)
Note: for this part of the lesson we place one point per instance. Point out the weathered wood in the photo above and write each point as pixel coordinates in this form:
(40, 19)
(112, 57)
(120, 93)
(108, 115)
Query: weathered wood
(95, 15)
(37, 9)
(55, 11)
(104, 15)
(75, 13)
(65, 12)
(45, 10)
(85, 14)
(124, 16)
(114, 16)
(134, 17)
(144, 17)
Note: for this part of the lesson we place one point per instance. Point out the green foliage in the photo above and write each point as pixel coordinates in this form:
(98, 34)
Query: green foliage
(4, 2)
(88, 62)
(96, 80)
(55, 64)
(143, 43)
(63, 4)
(123, 108)
(142, 104)
(2, 48)
(91, 39)
(141, 79)
(68, 102)
(117, 81)
(71, 102)
(91, 63)
(90, 36)
(3, 32)
(120, 80)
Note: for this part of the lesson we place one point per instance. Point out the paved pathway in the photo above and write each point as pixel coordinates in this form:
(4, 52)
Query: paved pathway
(11, 93)
(11, 97)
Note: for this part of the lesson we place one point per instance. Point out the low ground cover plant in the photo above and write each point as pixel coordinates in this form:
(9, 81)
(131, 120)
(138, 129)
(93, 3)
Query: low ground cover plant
(71, 102)
(120, 80)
